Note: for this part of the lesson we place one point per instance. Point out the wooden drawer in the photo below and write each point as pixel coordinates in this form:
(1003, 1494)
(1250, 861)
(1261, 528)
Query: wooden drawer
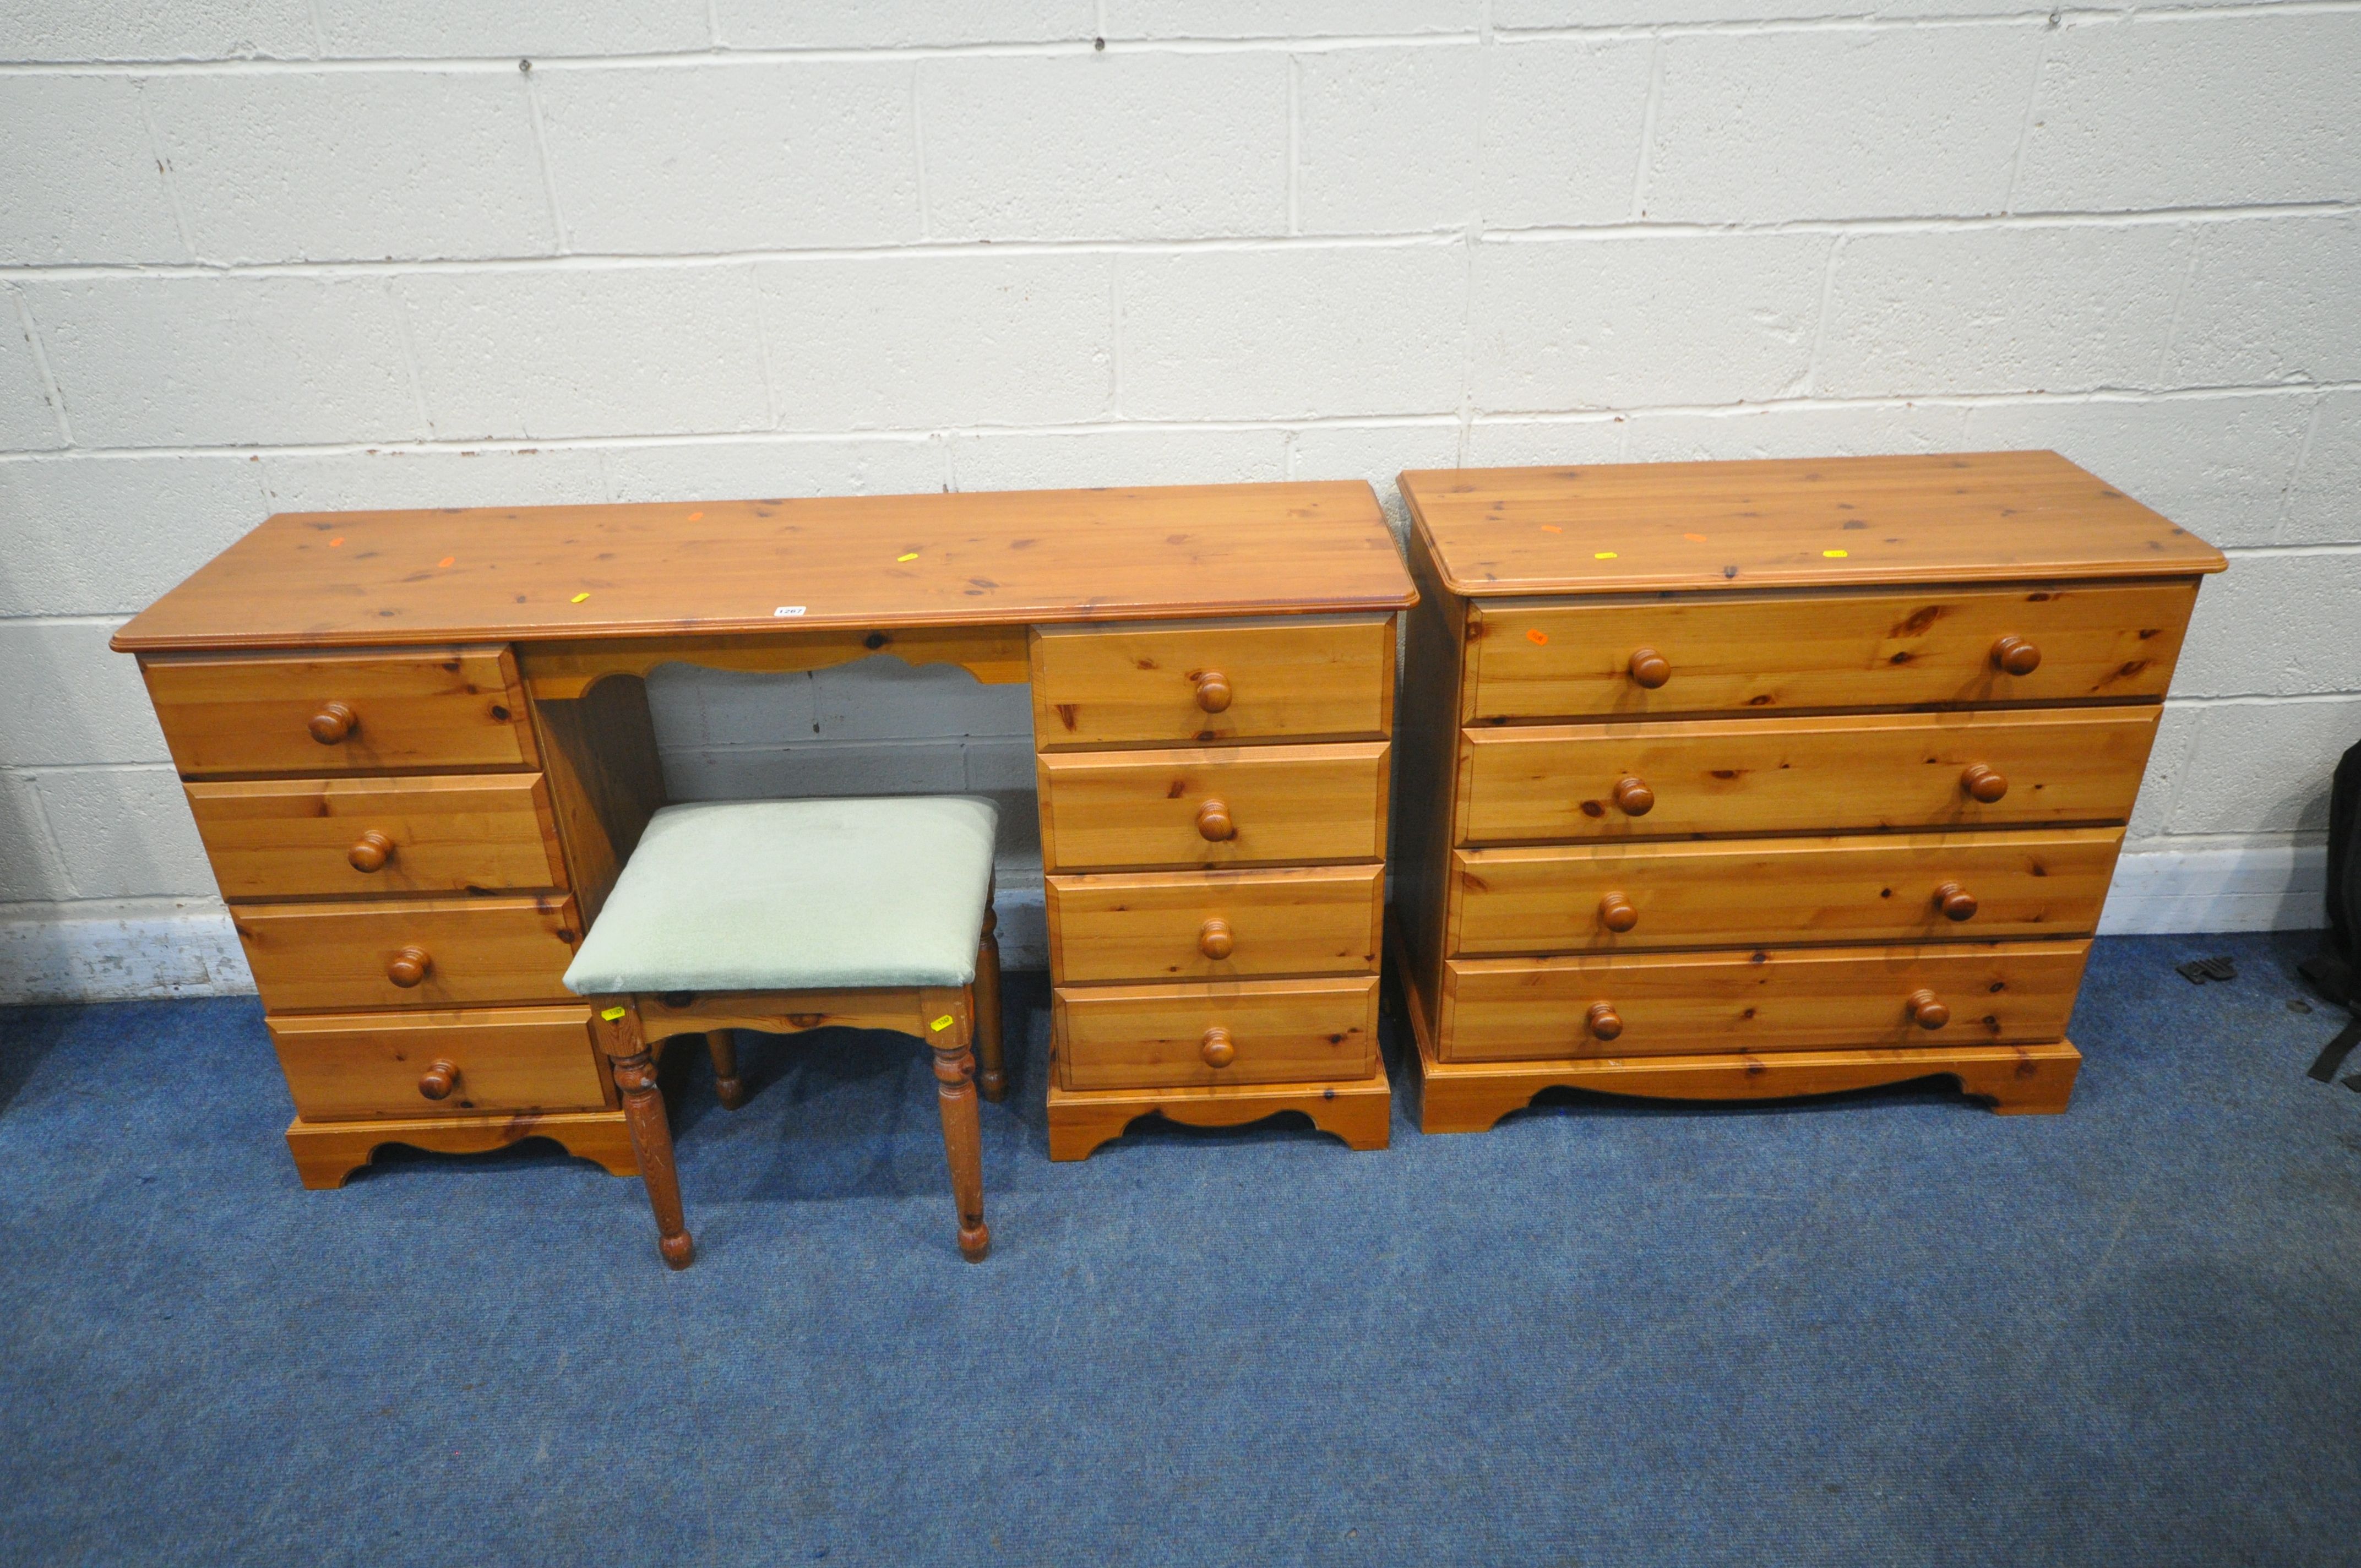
(346, 955)
(1305, 678)
(350, 1067)
(1782, 999)
(1104, 809)
(1906, 648)
(292, 837)
(1168, 925)
(1157, 1036)
(1773, 775)
(1877, 887)
(445, 708)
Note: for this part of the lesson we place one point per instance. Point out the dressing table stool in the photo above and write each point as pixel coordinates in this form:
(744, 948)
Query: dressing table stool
(782, 916)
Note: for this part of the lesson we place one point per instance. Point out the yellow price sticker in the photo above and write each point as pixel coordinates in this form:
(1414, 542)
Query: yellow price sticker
(611, 1013)
(940, 1025)
(579, 597)
(1836, 554)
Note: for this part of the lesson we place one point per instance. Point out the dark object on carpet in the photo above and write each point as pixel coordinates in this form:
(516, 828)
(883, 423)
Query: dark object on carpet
(2335, 970)
(1887, 1328)
(2197, 971)
(2332, 1055)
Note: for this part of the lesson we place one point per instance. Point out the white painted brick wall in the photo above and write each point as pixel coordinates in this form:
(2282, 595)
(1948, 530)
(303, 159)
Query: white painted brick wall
(352, 164)
(769, 154)
(280, 254)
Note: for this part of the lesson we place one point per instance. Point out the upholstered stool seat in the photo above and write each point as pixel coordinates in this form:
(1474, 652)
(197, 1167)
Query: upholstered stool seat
(781, 916)
(796, 895)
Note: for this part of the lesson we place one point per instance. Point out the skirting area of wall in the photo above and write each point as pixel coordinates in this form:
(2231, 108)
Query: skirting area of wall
(2274, 887)
(163, 950)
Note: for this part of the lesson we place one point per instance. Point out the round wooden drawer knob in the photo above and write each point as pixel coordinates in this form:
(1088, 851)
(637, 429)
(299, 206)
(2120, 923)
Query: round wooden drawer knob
(1615, 913)
(1983, 783)
(1213, 823)
(1634, 797)
(1927, 1012)
(371, 851)
(1650, 668)
(1218, 1048)
(333, 723)
(1605, 1023)
(440, 1078)
(1215, 940)
(1956, 902)
(408, 967)
(2015, 655)
(1213, 691)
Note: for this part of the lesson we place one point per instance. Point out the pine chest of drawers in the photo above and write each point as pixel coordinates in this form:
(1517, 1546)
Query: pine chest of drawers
(1763, 779)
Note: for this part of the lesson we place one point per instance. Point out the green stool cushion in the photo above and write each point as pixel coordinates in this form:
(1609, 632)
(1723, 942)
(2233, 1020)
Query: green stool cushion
(796, 895)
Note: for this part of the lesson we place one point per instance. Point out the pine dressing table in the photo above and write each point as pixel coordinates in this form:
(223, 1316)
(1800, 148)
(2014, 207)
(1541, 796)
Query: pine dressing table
(417, 746)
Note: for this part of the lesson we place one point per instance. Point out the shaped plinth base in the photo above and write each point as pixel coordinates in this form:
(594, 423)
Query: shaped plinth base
(1358, 1111)
(328, 1152)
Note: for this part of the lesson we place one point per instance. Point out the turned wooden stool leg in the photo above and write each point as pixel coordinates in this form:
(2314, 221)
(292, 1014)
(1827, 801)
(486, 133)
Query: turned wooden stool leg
(722, 1045)
(992, 1074)
(963, 1136)
(644, 1112)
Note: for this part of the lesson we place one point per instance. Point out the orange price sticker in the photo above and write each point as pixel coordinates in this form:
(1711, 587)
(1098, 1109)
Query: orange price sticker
(448, 561)
(1537, 636)
(339, 539)
(1694, 538)
(1551, 528)
(696, 516)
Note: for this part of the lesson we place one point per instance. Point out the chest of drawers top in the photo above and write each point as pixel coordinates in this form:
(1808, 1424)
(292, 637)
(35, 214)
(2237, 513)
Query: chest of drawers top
(1719, 527)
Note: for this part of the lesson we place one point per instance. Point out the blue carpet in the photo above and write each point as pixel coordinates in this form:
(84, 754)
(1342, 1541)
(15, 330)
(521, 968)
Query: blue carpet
(1889, 1328)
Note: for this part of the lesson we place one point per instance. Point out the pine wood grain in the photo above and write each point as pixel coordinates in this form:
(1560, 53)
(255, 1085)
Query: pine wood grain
(453, 707)
(347, 1066)
(340, 954)
(993, 655)
(327, 1153)
(1772, 775)
(604, 780)
(1763, 1000)
(1154, 926)
(1305, 678)
(1013, 558)
(1111, 810)
(908, 1010)
(1714, 527)
(1358, 1111)
(293, 838)
(1758, 652)
(1725, 892)
(1282, 1031)
(1472, 1097)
